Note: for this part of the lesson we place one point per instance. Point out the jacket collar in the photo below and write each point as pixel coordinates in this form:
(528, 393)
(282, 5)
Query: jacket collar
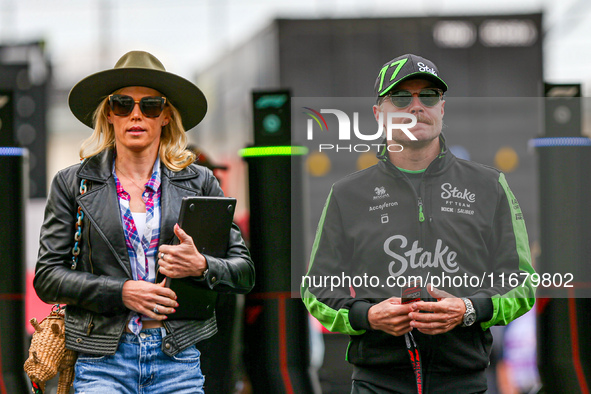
(439, 164)
(98, 168)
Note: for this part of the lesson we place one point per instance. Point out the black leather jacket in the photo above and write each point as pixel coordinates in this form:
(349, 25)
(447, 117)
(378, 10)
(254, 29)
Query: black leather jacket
(96, 316)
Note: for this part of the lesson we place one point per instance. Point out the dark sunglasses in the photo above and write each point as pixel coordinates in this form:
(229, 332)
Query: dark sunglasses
(151, 106)
(428, 97)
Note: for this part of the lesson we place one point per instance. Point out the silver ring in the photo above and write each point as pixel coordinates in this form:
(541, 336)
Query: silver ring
(156, 309)
(162, 255)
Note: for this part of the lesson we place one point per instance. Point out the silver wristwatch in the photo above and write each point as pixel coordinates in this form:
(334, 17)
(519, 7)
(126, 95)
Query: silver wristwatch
(470, 315)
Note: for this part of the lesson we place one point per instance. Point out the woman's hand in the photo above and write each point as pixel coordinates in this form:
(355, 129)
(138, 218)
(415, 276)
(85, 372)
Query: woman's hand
(142, 297)
(182, 260)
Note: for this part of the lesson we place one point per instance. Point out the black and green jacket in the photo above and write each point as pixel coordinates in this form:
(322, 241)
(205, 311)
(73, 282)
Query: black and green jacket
(463, 221)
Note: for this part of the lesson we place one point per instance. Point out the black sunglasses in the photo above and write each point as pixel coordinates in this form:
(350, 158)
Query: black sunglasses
(428, 97)
(151, 106)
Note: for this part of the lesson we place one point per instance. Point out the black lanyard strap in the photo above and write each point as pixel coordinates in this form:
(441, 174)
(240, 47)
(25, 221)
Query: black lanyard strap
(415, 360)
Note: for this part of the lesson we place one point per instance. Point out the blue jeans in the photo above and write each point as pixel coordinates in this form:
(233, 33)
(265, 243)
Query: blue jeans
(140, 366)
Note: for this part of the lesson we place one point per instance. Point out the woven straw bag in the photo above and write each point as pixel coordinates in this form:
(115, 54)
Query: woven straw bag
(48, 354)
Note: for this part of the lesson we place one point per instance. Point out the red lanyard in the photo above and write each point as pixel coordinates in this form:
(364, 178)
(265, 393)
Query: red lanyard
(415, 360)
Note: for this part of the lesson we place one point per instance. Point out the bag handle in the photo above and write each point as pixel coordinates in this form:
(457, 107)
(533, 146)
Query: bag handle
(78, 228)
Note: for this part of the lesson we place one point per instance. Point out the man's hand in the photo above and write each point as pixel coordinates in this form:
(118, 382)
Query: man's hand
(390, 316)
(447, 313)
(141, 296)
(182, 260)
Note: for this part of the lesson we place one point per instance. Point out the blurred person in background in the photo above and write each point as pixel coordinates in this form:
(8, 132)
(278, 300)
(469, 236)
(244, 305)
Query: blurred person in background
(517, 370)
(430, 214)
(135, 171)
(517, 367)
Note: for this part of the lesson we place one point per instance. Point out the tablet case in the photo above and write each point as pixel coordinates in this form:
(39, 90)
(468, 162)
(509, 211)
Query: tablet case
(208, 221)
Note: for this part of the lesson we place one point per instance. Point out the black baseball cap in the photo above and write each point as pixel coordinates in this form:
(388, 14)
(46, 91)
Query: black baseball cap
(407, 67)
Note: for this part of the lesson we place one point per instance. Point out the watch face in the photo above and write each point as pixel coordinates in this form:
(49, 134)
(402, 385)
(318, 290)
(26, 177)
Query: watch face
(470, 319)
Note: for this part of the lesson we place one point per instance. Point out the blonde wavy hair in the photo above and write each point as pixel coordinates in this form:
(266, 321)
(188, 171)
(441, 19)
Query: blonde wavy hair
(173, 150)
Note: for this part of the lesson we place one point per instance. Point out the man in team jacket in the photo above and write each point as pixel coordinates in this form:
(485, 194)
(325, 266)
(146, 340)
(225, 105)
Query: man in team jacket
(420, 217)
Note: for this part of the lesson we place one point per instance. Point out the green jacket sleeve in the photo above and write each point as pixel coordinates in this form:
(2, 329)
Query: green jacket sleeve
(325, 299)
(514, 293)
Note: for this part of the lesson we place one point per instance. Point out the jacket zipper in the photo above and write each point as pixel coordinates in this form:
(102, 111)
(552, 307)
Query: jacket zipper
(420, 194)
(421, 215)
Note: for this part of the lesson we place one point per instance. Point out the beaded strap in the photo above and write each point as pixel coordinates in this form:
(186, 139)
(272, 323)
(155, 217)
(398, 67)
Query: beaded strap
(78, 229)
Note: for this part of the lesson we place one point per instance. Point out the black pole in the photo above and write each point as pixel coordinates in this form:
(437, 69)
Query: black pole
(276, 330)
(12, 265)
(277, 354)
(564, 314)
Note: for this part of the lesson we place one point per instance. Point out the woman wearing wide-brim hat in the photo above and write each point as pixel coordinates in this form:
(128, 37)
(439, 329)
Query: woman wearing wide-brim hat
(129, 187)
